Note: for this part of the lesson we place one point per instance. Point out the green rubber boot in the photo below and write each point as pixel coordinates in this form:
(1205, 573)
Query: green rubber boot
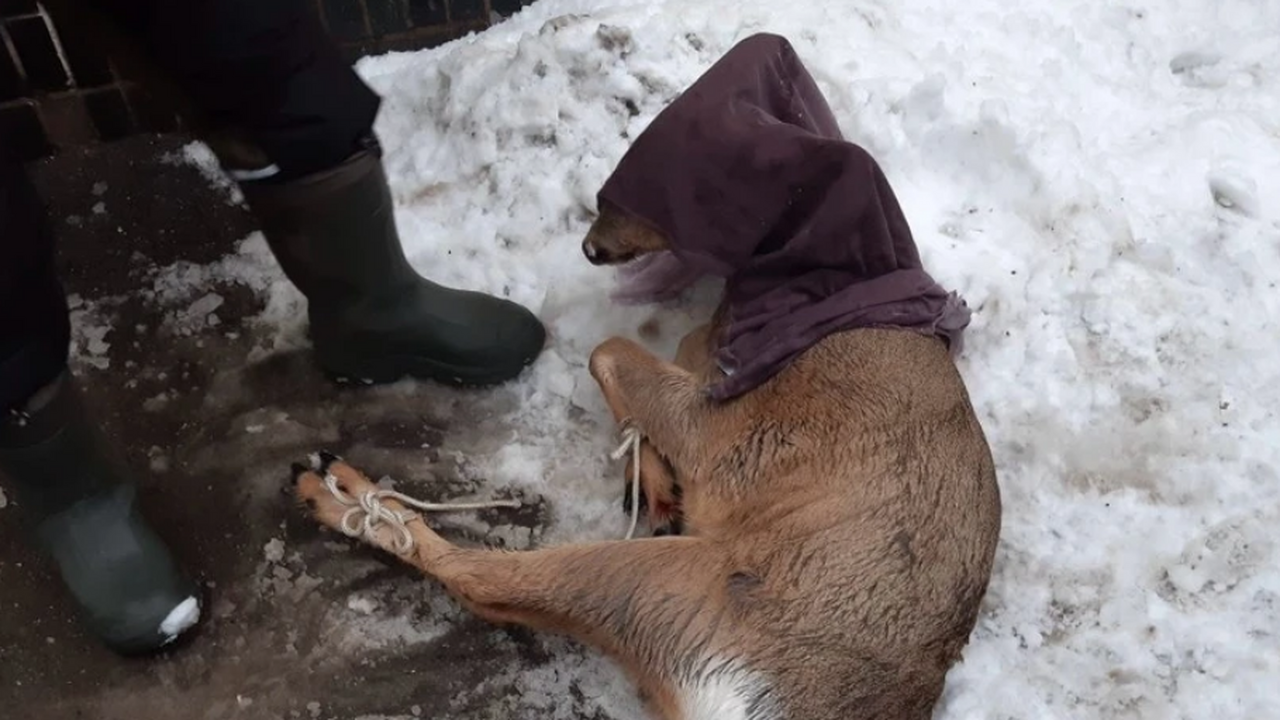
(81, 505)
(373, 318)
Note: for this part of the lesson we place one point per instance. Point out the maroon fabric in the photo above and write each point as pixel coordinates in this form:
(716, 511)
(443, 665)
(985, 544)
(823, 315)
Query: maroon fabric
(749, 179)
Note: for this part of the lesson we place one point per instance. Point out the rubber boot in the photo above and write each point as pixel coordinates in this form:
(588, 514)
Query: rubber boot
(373, 318)
(81, 505)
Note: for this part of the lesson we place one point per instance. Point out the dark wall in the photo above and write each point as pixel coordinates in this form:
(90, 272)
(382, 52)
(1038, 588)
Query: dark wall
(55, 93)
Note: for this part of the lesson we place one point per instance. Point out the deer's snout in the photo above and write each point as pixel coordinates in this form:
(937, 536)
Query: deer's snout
(593, 253)
(600, 254)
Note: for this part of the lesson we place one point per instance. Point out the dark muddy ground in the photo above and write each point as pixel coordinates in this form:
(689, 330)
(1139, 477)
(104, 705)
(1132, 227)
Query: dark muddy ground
(301, 623)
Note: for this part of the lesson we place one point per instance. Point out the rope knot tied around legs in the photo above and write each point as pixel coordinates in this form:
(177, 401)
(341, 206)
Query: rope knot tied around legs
(366, 512)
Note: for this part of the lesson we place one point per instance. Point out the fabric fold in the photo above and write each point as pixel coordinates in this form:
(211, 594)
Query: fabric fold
(748, 177)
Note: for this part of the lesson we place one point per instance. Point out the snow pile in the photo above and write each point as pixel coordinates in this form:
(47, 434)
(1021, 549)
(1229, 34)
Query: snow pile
(201, 157)
(186, 292)
(1092, 177)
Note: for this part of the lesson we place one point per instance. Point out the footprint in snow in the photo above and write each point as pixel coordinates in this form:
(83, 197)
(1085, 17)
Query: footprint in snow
(1234, 191)
(1199, 69)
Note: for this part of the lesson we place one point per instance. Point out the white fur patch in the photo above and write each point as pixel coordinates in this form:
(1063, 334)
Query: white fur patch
(725, 693)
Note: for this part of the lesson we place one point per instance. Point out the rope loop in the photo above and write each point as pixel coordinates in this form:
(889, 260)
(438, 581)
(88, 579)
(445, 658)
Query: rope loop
(366, 512)
(632, 439)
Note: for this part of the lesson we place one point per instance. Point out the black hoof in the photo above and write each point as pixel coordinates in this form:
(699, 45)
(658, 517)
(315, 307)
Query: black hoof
(628, 500)
(326, 459)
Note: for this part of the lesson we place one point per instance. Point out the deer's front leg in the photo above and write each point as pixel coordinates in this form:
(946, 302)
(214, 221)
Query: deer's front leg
(660, 400)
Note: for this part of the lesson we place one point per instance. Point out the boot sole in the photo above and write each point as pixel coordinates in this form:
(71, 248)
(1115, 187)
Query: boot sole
(393, 368)
(149, 648)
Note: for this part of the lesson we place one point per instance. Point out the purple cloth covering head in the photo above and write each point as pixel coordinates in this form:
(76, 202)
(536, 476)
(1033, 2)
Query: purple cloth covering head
(748, 178)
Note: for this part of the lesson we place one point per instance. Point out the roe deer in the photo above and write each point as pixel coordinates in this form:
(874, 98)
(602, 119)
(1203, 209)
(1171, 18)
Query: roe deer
(830, 526)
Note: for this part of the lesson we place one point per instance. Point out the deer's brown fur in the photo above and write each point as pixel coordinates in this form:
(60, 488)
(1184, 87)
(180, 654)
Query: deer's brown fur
(838, 530)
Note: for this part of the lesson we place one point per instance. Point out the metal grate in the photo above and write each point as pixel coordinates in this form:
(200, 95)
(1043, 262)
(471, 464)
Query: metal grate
(56, 93)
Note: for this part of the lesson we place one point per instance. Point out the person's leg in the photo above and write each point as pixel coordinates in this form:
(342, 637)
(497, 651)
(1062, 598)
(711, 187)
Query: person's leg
(35, 332)
(69, 489)
(292, 122)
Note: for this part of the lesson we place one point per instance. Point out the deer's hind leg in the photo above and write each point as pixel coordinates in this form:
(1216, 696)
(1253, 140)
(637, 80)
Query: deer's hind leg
(653, 605)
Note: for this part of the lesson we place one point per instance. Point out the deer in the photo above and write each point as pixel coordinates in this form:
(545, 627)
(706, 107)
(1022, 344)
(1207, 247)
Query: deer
(823, 527)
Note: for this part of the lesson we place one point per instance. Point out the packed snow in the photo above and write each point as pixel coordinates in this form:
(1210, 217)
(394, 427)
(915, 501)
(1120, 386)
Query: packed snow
(1093, 177)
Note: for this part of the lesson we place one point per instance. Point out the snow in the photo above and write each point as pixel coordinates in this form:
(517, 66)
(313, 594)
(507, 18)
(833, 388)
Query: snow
(273, 550)
(555, 691)
(201, 157)
(91, 322)
(1092, 177)
(183, 288)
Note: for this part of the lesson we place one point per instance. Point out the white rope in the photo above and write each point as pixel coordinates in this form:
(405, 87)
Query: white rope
(366, 511)
(631, 439)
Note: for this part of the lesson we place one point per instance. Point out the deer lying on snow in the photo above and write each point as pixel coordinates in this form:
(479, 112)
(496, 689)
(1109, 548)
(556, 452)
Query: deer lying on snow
(829, 497)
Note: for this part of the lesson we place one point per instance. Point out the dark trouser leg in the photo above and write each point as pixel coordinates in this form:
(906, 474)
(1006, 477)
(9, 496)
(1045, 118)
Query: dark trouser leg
(34, 330)
(68, 487)
(266, 71)
(292, 122)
